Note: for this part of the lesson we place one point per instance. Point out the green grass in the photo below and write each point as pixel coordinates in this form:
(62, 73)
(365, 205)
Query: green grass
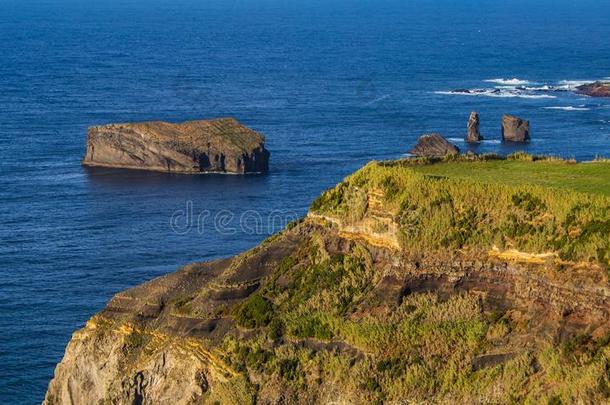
(423, 351)
(589, 177)
(532, 204)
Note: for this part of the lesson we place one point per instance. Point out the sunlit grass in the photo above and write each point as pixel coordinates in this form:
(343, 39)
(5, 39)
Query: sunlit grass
(528, 203)
(590, 177)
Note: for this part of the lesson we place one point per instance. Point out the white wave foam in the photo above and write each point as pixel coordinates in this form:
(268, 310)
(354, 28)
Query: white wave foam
(499, 93)
(545, 87)
(487, 141)
(512, 82)
(572, 84)
(567, 108)
(518, 88)
(575, 82)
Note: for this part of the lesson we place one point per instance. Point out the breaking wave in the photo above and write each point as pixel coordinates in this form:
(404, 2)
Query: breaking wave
(487, 141)
(518, 88)
(567, 108)
(511, 82)
(501, 93)
(572, 84)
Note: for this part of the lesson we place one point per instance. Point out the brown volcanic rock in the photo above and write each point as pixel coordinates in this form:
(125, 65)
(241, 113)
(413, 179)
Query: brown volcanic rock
(596, 89)
(515, 129)
(434, 145)
(474, 135)
(220, 145)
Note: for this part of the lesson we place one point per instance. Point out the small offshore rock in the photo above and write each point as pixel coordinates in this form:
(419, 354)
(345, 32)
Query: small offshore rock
(434, 145)
(515, 129)
(474, 134)
(596, 89)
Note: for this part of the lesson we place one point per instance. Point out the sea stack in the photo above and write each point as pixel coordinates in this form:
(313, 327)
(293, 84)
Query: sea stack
(433, 145)
(474, 135)
(220, 146)
(515, 129)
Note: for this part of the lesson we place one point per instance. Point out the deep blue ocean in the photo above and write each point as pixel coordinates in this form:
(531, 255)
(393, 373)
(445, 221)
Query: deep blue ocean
(332, 85)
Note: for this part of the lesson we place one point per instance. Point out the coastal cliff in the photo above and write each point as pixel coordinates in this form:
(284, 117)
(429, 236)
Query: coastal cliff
(413, 280)
(221, 145)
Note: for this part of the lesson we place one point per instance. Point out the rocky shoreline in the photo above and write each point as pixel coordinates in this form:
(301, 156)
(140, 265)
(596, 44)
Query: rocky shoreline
(537, 90)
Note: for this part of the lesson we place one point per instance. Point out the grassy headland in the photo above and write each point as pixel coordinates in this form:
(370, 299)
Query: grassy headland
(319, 313)
(530, 204)
(428, 347)
(588, 177)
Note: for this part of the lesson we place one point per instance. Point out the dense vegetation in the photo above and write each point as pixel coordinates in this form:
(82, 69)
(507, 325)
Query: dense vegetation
(426, 348)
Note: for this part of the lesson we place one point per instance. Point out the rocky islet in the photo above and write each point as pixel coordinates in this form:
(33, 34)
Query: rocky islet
(220, 145)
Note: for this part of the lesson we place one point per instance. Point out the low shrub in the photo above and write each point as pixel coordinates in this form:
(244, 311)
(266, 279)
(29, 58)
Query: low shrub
(255, 312)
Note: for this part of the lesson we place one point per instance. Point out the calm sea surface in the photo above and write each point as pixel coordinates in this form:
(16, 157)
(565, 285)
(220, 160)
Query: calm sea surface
(332, 85)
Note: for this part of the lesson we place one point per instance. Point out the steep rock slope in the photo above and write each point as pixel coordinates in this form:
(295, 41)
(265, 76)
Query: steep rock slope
(398, 285)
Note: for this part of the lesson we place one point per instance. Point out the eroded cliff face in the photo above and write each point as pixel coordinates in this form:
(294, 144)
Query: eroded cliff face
(166, 341)
(340, 308)
(104, 362)
(220, 145)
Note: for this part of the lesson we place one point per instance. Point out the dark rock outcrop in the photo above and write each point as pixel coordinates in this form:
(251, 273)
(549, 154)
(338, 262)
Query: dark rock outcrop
(596, 89)
(221, 145)
(515, 129)
(433, 145)
(474, 135)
